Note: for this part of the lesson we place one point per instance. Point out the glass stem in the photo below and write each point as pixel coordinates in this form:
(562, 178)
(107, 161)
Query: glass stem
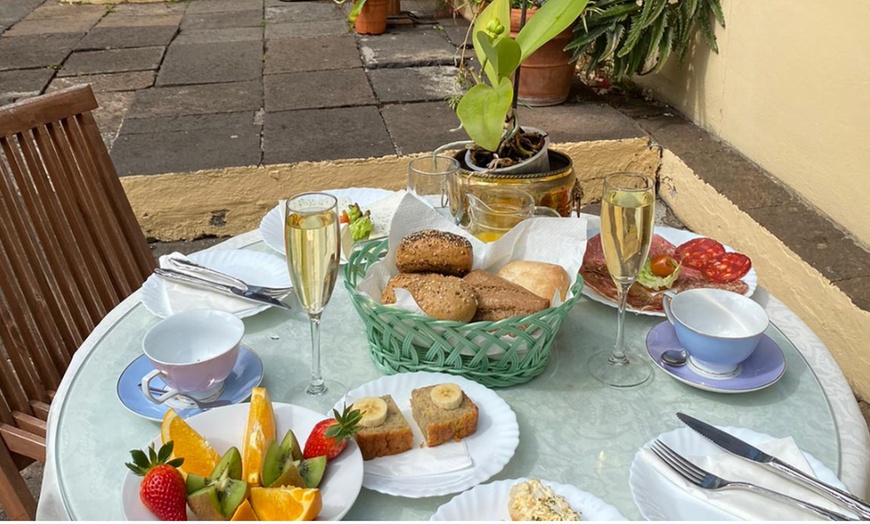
(315, 387)
(618, 356)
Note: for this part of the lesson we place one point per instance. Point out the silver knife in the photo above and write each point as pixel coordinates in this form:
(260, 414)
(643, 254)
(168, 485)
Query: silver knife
(747, 451)
(171, 274)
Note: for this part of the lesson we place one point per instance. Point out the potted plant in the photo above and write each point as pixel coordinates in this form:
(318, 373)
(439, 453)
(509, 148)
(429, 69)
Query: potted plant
(368, 17)
(487, 111)
(636, 37)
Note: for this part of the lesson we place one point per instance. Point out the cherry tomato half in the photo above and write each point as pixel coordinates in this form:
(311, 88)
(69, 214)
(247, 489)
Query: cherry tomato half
(663, 266)
(343, 219)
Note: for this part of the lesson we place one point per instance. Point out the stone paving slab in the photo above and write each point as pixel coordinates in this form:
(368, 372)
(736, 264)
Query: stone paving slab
(317, 89)
(53, 10)
(290, 55)
(578, 122)
(12, 11)
(248, 18)
(414, 84)
(307, 29)
(161, 8)
(25, 83)
(455, 30)
(131, 20)
(417, 128)
(113, 108)
(112, 61)
(858, 289)
(124, 37)
(407, 48)
(50, 25)
(236, 120)
(230, 34)
(307, 11)
(209, 147)
(326, 134)
(196, 100)
(108, 82)
(211, 63)
(33, 51)
(222, 6)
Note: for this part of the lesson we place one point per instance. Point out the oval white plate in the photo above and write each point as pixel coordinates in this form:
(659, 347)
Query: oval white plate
(225, 427)
(490, 448)
(490, 502)
(272, 225)
(254, 267)
(675, 237)
(659, 499)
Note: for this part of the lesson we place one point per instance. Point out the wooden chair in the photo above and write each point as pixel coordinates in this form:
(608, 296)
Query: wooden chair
(70, 251)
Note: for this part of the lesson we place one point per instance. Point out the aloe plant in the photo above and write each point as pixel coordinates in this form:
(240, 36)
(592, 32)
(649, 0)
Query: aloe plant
(487, 110)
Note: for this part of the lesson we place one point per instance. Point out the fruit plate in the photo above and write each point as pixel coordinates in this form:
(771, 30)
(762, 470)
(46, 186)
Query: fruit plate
(675, 237)
(489, 448)
(490, 502)
(225, 427)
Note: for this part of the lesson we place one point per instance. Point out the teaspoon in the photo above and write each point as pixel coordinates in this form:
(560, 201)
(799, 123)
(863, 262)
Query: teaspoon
(674, 357)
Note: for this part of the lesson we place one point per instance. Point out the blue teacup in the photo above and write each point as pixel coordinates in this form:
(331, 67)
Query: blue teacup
(719, 329)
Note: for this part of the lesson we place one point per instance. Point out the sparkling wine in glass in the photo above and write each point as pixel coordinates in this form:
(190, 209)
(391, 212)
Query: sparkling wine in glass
(311, 235)
(627, 218)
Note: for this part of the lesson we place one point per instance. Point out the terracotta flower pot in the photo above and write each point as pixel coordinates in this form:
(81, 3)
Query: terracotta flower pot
(372, 19)
(545, 76)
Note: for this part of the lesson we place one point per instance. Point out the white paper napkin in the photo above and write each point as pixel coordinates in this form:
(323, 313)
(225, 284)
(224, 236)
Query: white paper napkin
(182, 297)
(421, 460)
(560, 241)
(742, 503)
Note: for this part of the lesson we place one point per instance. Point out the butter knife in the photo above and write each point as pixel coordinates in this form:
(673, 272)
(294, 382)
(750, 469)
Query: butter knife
(747, 451)
(184, 278)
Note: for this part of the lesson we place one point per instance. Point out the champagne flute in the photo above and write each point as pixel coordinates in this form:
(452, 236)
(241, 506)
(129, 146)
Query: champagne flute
(311, 235)
(627, 217)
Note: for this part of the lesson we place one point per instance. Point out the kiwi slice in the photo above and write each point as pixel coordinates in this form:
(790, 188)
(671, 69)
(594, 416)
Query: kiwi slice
(312, 470)
(231, 462)
(206, 504)
(278, 463)
(218, 496)
(195, 483)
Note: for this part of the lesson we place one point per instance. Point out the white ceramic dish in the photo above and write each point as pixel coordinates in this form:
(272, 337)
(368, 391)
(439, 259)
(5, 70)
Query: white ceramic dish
(489, 502)
(675, 237)
(659, 499)
(490, 448)
(225, 427)
(254, 267)
(272, 225)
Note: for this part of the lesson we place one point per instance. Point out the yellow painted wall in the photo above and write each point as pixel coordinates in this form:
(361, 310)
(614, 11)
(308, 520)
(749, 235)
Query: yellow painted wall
(790, 89)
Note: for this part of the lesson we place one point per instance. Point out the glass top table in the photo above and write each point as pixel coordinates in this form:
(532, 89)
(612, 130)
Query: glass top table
(573, 429)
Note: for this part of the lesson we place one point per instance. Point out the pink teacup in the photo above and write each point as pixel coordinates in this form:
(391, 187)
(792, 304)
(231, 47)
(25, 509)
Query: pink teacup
(193, 352)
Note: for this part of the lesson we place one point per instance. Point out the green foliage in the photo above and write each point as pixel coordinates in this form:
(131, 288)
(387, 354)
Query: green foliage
(636, 37)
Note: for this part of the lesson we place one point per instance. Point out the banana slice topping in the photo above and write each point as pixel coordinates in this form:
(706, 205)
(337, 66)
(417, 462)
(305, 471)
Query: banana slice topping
(373, 409)
(446, 396)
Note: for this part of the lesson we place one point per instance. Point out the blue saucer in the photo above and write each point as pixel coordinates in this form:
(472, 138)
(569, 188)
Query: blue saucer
(764, 367)
(246, 375)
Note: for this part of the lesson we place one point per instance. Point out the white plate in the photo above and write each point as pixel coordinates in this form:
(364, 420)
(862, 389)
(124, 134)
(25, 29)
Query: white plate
(225, 427)
(490, 502)
(490, 448)
(272, 225)
(659, 499)
(254, 267)
(675, 237)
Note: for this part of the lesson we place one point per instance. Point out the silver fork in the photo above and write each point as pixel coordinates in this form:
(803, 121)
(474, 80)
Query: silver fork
(208, 273)
(706, 480)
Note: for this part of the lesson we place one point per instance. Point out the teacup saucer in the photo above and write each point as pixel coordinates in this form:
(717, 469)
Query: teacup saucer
(246, 375)
(763, 368)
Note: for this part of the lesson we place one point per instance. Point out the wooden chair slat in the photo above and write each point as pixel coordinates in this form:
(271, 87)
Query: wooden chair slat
(29, 423)
(27, 114)
(22, 442)
(40, 409)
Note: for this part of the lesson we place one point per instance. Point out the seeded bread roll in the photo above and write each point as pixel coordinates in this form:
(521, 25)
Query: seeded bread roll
(444, 298)
(433, 251)
(541, 278)
(388, 295)
(498, 299)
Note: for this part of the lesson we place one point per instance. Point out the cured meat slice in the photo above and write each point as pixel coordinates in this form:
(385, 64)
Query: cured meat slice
(698, 252)
(727, 267)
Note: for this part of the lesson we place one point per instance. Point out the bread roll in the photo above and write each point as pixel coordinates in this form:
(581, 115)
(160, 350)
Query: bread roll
(388, 295)
(443, 297)
(498, 299)
(541, 278)
(433, 251)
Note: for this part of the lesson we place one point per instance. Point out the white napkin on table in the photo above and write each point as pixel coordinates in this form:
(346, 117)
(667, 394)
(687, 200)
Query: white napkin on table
(182, 297)
(421, 460)
(742, 503)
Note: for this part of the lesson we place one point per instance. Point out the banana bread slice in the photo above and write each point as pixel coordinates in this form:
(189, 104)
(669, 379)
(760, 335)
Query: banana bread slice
(392, 437)
(440, 425)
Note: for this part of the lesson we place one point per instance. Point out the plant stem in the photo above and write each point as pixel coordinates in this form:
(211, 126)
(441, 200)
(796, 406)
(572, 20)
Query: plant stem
(515, 101)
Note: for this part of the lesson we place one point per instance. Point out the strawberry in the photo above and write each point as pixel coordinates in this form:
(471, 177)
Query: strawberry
(329, 437)
(163, 489)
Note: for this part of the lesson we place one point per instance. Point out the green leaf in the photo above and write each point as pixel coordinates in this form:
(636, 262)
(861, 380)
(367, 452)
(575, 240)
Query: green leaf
(551, 19)
(497, 10)
(165, 452)
(483, 111)
(716, 7)
(503, 54)
(355, 10)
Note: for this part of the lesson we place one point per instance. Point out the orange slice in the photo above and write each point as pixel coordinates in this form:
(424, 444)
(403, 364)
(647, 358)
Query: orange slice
(245, 512)
(259, 432)
(286, 503)
(199, 457)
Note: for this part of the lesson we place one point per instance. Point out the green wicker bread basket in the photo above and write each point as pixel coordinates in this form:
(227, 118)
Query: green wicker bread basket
(495, 354)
